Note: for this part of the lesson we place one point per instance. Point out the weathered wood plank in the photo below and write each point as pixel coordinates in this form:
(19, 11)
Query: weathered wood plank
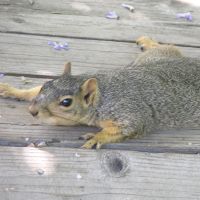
(164, 10)
(157, 22)
(32, 55)
(28, 54)
(16, 125)
(57, 173)
(174, 141)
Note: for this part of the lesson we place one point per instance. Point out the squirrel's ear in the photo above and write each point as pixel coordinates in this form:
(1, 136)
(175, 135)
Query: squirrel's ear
(89, 91)
(67, 68)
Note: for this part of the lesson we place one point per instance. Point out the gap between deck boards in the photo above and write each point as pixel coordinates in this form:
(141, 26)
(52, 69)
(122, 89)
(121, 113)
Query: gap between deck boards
(90, 38)
(30, 75)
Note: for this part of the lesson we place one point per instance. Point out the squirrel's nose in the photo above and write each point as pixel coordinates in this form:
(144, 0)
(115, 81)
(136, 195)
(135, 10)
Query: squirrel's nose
(33, 109)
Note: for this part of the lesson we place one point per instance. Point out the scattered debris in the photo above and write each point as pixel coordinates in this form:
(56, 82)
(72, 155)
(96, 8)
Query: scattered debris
(25, 80)
(0, 116)
(52, 141)
(187, 16)
(128, 7)
(77, 155)
(189, 143)
(78, 176)
(40, 143)
(40, 171)
(51, 43)
(55, 140)
(26, 139)
(1, 75)
(59, 46)
(112, 15)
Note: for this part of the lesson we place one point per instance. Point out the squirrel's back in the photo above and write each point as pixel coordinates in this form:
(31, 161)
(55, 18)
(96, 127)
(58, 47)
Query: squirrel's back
(164, 93)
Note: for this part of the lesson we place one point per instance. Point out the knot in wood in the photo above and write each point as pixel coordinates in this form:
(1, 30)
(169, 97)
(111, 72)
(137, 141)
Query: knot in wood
(114, 163)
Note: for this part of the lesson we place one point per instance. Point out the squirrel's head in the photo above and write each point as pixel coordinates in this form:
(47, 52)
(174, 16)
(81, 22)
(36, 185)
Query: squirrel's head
(68, 100)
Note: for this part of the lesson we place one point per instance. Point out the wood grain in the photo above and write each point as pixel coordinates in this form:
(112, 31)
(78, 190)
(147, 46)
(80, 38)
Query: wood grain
(57, 173)
(155, 19)
(174, 141)
(156, 167)
(31, 55)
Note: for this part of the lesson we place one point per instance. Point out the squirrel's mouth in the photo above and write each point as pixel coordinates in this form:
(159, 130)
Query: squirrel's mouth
(47, 117)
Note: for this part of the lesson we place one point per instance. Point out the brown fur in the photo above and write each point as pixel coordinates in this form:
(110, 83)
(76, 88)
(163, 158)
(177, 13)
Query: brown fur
(159, 90)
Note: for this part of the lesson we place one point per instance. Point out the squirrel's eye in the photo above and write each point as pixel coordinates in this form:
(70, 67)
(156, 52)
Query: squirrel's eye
(66, 102)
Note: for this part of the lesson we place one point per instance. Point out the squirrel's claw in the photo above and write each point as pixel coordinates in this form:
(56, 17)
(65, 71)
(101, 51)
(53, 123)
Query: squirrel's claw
(91, 143)
(98, 140)
(87, 136)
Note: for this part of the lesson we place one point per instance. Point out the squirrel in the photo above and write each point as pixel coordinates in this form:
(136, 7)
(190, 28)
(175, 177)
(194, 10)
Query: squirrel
(159, 90)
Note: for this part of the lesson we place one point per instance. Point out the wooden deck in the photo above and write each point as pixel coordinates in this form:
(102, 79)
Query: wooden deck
(163, 165)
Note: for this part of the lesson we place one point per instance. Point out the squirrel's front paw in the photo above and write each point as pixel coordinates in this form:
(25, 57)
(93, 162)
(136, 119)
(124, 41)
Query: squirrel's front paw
(5, 90)
(103, 137)
(96, 141)
(146, 43)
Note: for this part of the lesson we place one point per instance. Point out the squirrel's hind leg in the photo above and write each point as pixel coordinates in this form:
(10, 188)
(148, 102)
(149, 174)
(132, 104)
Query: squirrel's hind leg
(7, 91)
(146, 43)
(153, 51)
(156, 49)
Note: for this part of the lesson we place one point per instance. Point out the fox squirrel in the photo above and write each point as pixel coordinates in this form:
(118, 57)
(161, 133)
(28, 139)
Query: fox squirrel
(159, 90)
